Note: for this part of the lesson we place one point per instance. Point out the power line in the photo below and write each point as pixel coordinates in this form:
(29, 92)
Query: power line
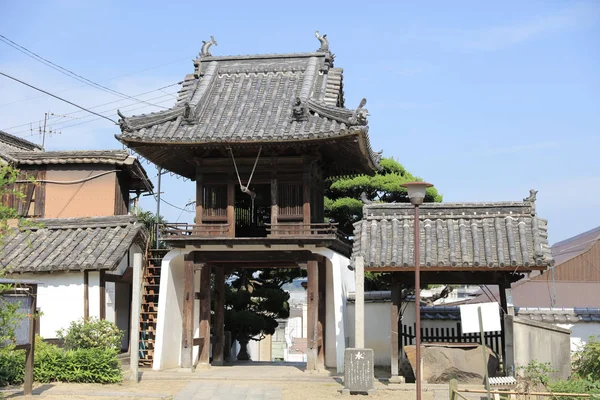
(62, 127)
(57, 97)
(105, 104)
(66, 71)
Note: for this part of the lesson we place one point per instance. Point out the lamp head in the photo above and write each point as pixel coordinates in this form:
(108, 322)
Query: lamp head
(416, 191)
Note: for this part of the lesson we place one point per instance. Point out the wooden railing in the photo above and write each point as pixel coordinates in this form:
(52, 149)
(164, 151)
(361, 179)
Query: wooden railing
(457, 393)
(183, 230)
(302, 229)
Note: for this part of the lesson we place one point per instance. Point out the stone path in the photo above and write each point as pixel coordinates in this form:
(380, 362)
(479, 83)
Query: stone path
(228, 391)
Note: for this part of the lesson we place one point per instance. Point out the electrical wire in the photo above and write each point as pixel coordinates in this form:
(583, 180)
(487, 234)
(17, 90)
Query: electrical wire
(61, 127)
(57, 97)
(89, 178)
(66, 71)
(103, 104)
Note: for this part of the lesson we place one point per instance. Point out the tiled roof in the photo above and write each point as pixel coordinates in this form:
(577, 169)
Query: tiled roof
(570, 248)
(115, 157)
(252, 99)
(453, 235)
(69, 244)
(119, 158)
(10, 144)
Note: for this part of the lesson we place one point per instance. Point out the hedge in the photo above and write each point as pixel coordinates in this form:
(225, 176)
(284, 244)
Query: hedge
(53, 364)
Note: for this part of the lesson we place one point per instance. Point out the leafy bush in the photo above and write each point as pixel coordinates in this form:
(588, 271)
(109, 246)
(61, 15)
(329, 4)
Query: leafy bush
(91, 333)
(575, 386)
(534, 376)
(53, 364)
(587, 361)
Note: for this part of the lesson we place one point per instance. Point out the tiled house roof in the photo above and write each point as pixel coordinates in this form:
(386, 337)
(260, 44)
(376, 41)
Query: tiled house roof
(69, 244)
(13, 144)
(453, 235)
(256, 99)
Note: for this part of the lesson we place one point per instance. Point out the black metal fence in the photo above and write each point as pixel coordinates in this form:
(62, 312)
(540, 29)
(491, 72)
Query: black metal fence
(451, 335)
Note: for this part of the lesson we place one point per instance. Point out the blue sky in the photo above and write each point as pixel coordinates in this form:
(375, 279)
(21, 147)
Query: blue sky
(484, 100)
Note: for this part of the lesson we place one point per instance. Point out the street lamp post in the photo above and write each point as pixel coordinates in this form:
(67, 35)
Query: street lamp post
(416, 194)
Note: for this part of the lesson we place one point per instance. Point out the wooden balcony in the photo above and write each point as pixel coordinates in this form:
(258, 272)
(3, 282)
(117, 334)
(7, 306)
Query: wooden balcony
(294, 233)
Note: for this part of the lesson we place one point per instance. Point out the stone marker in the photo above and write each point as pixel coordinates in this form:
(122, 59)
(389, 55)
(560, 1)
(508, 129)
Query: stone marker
(359, 371)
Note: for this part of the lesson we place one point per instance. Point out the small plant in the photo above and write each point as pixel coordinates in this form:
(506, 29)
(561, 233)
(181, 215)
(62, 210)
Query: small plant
(91, 333)
(534, 376)
(587, 361)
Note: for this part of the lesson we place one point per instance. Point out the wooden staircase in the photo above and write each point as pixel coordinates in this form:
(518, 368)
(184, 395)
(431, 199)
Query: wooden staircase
(149, 311)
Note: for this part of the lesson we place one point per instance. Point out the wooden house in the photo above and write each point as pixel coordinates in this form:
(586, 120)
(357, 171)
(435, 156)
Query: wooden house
(77, 237)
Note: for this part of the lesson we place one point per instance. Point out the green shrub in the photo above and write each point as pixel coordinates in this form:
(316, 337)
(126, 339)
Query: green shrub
(53, 364)
(587, 361)
(575, 385)
(91, 333)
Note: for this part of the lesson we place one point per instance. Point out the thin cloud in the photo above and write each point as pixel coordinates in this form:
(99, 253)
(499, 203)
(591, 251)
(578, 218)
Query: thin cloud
(506, 36)
(522, 148)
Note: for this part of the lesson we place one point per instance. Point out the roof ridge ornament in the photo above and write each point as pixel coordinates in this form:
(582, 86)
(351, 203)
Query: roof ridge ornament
(299, 110)
(123, 122)
(359, 116)
(531, 199)
(324, 42)
(205, 52)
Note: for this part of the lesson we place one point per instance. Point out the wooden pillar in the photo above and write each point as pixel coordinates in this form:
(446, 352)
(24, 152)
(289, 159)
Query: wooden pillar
(86, 295)
(312, 299)
(274, 206)
(502, 286)
(306, 189)
(187, 343)
(395, 324)
(204, 350)
(219, 321)
(102, 295)
(30, 351)
(231, 205)
(199, 196)
(321, 318)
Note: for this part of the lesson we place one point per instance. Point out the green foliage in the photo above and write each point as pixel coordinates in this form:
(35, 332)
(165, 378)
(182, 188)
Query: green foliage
(91, 333)
(342, 196)
(52, 364)
(148, 218)
(534, 375)
(254, 300)
(575, 385)
(587, 361)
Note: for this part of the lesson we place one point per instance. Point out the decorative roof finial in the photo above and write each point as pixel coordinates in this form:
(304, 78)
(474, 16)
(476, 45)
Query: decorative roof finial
(359, 116)
(206, 45)
(324, 42)
(532, 196)
(299, 110)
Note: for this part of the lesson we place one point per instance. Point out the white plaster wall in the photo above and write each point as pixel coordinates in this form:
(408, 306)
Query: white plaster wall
(60, 299)
(94, 293)
(168, 331)
(342, 282)
(377, 330)
(111, 313)
(581, 332)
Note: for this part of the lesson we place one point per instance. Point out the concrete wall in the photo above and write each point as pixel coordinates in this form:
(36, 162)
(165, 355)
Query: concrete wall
(95, 197)
(528, 340)
(377, 330)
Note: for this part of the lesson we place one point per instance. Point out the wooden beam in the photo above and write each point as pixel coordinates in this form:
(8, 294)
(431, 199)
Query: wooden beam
(187, 344)
(219, 320)
(204, 350)
(102, 295)
(274, 196)
(266, 256)
(86, 295)
(489, 277)
(322, 310)
(306, 187)
(312, 297)
(30, 351)
(231, 206)
(199, 196)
